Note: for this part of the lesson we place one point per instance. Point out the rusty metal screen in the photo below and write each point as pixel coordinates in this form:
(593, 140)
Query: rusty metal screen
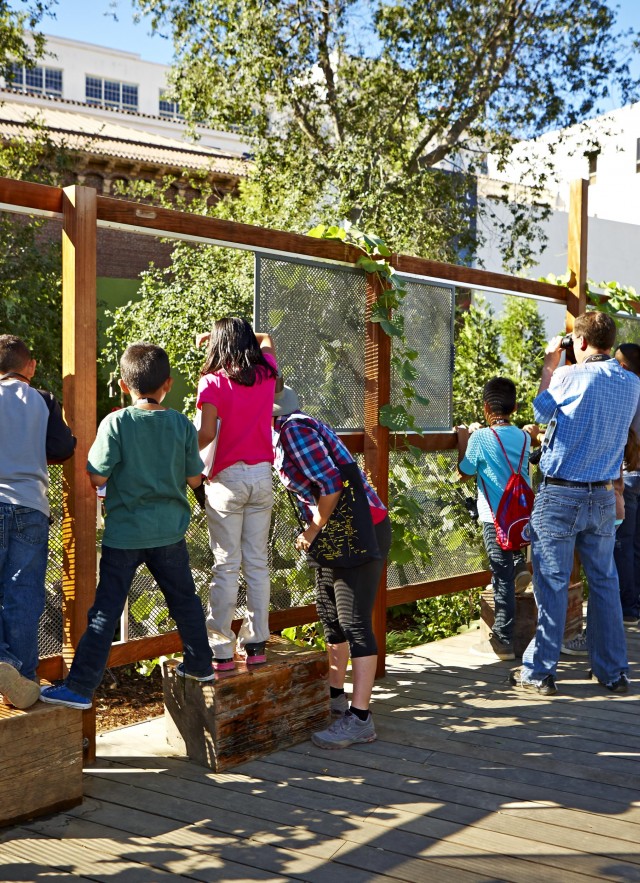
(50, 628)
(315, 313)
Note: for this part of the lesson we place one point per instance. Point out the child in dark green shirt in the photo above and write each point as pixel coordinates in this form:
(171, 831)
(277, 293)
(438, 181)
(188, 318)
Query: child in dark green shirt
(146, 455)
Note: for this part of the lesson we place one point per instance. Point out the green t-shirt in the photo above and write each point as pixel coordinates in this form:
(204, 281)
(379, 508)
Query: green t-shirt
(147, 456)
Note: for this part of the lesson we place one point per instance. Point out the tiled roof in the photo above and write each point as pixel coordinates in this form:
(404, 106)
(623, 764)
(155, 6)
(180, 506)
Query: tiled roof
(99, 137)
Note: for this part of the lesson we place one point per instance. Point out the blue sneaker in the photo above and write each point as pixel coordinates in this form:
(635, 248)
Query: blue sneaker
(183, 673)
(64, 696)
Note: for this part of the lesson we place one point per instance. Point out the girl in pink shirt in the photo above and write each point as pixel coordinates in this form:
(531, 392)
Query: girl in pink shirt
(237, 385)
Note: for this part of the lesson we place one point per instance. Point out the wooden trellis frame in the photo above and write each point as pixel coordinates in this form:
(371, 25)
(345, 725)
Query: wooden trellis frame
(82, 212)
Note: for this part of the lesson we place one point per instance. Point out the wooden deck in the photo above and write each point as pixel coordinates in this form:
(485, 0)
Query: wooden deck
(468, 781)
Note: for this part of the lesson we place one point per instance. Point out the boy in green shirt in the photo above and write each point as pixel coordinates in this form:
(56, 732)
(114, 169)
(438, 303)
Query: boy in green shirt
(146, 455)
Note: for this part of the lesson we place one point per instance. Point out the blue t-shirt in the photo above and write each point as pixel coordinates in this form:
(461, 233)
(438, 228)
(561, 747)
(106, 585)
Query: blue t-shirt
(484, 457)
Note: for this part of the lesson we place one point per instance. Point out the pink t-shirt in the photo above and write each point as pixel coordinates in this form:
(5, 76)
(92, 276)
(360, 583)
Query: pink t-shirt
(245, 417)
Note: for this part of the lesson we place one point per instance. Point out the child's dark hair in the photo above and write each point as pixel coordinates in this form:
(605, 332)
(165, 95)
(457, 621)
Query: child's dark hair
(499, 395)
(630, 353)
(234, 349)
(144, 367)
(14, 353)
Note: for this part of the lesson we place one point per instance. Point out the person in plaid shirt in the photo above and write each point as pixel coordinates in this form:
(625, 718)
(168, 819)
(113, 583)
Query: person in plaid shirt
(305, 449)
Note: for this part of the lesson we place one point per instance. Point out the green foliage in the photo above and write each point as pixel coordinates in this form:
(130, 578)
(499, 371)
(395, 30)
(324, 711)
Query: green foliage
(522, 346)
(447, 615)
(219, 282)
(477, 359)
(308, 635)
(382, 114)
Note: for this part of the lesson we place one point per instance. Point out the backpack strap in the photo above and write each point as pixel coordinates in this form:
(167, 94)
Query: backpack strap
(524, 446)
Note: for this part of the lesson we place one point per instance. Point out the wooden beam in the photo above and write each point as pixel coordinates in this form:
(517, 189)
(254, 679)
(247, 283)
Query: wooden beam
(23, 195)
(577, 250)
(471, 277)
(433, 588)
(79, 370)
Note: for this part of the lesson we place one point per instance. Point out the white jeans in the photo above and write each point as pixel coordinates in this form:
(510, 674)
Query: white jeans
(239, 503)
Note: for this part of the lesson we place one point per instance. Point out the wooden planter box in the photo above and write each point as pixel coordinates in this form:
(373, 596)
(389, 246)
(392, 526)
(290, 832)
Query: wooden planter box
(251, 711)
(40, 761)
(527, 616)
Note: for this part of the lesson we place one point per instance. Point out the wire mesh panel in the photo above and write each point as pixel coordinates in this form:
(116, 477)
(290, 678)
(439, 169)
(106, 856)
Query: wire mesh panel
(434, 535)
(50, 627)
(428, 311)
(316, 315)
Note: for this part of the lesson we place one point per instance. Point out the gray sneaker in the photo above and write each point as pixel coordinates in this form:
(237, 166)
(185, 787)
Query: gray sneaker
(339, 704)
(347, 730)
(576, 647)
(522, 578)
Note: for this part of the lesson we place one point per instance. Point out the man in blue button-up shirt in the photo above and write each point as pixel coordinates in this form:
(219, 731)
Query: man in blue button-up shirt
(588, 408)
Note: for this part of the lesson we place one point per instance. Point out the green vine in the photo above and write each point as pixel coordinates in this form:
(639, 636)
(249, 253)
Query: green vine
(607, 297)
(386, 312)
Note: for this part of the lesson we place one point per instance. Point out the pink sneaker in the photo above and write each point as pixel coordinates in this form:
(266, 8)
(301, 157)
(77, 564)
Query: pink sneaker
(223, 664)
(255, 653)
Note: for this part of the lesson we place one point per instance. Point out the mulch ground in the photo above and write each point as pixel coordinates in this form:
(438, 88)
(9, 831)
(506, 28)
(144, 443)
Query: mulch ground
(125, 697)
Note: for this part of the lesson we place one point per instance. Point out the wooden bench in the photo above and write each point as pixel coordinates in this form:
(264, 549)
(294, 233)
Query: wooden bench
(40, 761)
(251, 711)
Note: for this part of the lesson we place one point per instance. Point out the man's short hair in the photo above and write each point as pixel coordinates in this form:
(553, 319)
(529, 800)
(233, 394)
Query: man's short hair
(630, 353)
(499, 395)
(144, 367)
(14, 353)
(598, 329)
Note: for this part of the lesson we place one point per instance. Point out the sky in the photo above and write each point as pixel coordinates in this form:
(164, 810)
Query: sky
(94, 21)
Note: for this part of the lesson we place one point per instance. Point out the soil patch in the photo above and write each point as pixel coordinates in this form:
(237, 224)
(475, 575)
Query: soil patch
(126, 697)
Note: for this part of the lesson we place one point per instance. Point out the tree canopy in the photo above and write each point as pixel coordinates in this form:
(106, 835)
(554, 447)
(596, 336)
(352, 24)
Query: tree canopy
(377, 111)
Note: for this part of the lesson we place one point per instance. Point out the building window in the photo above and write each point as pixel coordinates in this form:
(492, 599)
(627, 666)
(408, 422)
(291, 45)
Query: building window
(168, 109)
(593, 166)
(36, 80)
(111, 93)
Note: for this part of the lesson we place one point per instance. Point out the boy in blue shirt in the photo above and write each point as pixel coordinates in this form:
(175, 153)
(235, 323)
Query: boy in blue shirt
(146, 455)
(482, 455)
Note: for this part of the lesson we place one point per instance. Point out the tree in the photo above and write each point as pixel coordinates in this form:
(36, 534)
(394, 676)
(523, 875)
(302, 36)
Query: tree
(30, 303)
(380, 112)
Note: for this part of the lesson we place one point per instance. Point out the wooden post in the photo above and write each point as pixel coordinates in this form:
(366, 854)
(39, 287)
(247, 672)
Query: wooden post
(79, 378)
(576, 304)
(377, 392)
(577, 250)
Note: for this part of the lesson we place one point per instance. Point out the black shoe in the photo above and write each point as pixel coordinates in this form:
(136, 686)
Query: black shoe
(546, 688)
(630, 619)
(619, 686)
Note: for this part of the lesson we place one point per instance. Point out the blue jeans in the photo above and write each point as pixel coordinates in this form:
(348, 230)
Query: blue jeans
(169, 566)
(502, 567)
(565, 519)
(24, 540)
(627, 552)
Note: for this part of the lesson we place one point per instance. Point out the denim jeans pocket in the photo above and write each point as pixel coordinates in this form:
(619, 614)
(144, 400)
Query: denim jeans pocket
(555, 516)
(606, 514)
(32, 526)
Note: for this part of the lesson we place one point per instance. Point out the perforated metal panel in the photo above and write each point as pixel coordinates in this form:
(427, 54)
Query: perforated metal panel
(316, 314)
(428, 310)
(50, 628)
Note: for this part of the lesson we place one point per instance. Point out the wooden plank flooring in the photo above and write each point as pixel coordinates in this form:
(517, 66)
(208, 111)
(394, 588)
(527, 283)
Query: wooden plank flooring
(469, 781)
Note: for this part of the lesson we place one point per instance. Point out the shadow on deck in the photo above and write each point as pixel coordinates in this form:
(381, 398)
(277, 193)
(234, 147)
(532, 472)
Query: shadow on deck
(468, 781)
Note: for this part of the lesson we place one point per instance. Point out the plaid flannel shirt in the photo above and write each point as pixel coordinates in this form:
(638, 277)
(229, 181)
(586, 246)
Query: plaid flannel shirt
(308, 469)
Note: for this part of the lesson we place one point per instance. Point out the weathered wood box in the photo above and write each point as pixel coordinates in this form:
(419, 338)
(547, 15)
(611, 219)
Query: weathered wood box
(40, 761)
(527, 616)
(251, 711)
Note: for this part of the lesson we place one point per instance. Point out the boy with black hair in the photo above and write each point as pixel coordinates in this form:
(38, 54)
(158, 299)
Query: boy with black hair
(32, 434)
(145, 455)
(485, 454)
